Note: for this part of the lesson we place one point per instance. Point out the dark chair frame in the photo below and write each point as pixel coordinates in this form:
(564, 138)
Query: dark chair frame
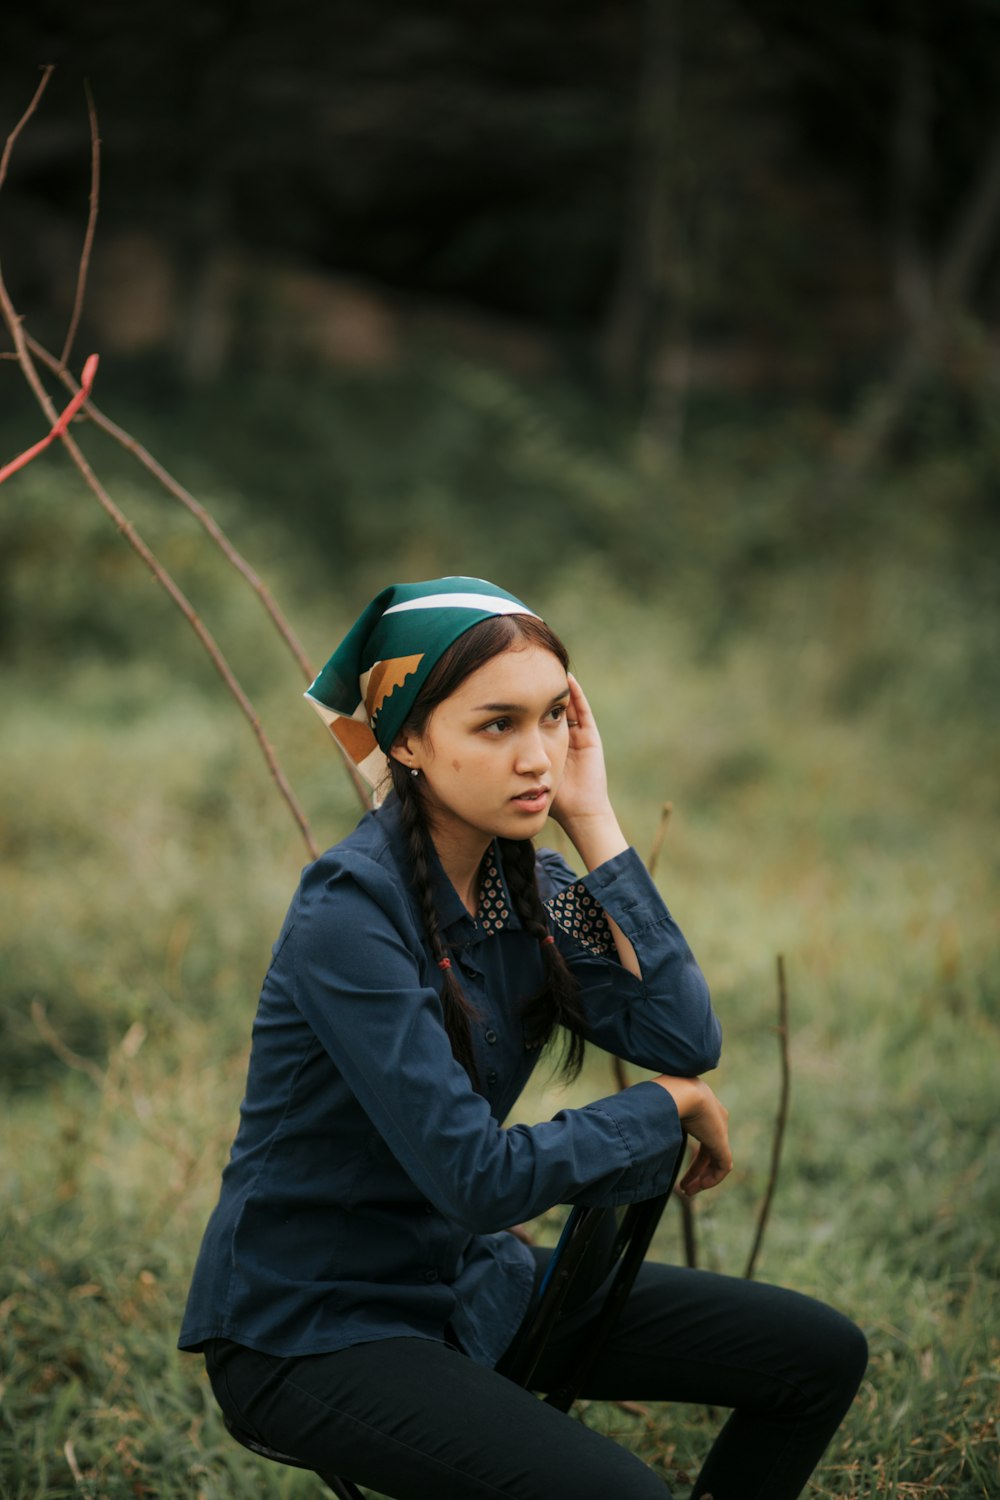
(597, 1246)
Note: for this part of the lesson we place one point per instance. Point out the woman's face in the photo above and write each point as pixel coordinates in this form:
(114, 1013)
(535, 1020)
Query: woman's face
(492, 755)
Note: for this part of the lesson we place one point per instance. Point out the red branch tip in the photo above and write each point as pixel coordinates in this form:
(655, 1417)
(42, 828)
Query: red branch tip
(59, 426)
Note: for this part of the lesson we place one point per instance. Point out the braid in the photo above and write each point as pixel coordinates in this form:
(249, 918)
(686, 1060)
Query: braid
(458, 1012)
(557, 1003)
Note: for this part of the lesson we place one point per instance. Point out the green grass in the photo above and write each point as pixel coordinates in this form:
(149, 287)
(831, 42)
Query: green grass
(815, 695)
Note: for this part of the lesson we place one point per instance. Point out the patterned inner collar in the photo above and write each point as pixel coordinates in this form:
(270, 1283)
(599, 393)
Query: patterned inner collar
(573, 910)
(494, 913)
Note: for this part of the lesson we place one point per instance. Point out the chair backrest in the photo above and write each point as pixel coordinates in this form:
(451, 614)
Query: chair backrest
(596, 1244)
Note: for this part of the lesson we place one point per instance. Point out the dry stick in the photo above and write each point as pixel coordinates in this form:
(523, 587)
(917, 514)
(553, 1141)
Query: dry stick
(167, 480)
(780, 1121)
(617, 1065)
(135, 541)
(661, 833)
(9, 146)
(20, 354)
(65, 1054)
(88, 238)
(201, 515)
(74, 1467)
(83, 391)
(684, 1202)
(214, 530)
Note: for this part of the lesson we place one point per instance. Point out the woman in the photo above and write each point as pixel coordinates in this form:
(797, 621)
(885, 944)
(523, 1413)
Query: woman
(356, 1287)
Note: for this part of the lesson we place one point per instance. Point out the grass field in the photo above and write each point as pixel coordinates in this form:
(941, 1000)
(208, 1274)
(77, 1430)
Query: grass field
(825, 727)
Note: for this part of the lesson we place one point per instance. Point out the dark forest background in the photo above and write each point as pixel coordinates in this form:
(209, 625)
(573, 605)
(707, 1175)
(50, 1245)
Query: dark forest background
(748, 198)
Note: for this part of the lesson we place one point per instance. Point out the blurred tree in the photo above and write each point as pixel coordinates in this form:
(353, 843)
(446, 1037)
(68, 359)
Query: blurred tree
(743, 193)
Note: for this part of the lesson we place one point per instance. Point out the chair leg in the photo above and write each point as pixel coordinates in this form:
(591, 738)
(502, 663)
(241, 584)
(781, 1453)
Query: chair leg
(342, 1488)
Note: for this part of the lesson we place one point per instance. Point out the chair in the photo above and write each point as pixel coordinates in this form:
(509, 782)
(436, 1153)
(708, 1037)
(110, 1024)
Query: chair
(596, 1244)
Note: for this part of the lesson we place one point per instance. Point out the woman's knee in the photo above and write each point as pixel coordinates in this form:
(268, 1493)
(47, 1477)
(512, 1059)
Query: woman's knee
(838, 1358)
(851, 1358)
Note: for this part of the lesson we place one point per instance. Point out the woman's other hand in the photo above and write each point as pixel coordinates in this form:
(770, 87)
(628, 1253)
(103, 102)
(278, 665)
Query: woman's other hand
(706, 1120)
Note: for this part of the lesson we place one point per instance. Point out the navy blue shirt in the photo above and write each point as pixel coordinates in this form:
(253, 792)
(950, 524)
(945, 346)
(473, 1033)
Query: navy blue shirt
(370, 1183)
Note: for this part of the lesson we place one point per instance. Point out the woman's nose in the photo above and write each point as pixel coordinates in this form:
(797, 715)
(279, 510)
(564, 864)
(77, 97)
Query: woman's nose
(532, 754)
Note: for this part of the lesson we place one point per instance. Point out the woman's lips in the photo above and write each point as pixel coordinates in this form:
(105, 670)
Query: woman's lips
(533, 799)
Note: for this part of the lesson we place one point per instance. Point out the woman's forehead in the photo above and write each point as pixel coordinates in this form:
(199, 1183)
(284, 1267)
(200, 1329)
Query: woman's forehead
(524, 675)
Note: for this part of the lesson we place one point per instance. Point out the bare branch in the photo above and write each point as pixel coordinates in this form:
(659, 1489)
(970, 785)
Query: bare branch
(88, 239)
(161, 575)
(968, 248)
(201, 515)
(210, 525)
(60, 425)
(780, 1121)
(11, 139)
(65, 1054)
(661, 833)
(686, 1206)
(74, 1468)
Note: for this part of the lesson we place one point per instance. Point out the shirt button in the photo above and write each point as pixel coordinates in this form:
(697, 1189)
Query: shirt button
(490, 1035)
(430, 1276)
(492, 1076)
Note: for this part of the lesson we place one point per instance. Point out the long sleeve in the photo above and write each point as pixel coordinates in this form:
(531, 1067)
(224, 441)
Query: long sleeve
(367, 995)
(663, 1021)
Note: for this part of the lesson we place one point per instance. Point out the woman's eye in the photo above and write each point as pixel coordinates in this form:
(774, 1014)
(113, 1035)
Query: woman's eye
(557, 712)
(497, 726)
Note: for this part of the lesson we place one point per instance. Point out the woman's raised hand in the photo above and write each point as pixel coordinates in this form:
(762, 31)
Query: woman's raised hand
(583, 791)
(706, 1120)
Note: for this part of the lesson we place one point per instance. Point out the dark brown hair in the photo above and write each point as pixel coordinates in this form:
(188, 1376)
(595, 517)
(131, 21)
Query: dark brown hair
(558, 1001)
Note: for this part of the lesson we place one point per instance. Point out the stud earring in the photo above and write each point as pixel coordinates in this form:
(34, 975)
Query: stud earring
(414, 771)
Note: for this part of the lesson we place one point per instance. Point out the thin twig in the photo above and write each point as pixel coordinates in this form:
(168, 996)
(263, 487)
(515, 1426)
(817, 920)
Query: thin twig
(9, 147)
(687, 1226)
(211, 526)
(160, 573)
(661, 833)
(684, 1203)
(214, 531)
(88, 239)
(780, 1121)
(74, 1467)
(65, 1054)
(60, 425)
(201, 515)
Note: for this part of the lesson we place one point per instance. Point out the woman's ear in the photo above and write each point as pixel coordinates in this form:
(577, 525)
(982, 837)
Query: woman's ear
(405, 751)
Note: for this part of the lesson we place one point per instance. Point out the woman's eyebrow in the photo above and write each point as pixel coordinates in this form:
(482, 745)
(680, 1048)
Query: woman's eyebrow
(514, 708)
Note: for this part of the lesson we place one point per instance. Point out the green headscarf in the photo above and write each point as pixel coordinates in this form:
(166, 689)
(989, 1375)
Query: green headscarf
(365, 692)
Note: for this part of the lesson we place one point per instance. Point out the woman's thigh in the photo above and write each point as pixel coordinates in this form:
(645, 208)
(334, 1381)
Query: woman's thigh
(697, 1336)
(411, 1419)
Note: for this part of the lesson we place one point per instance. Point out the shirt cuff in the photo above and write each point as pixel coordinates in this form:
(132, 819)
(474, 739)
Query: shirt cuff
(625, 890)
(647, 1121)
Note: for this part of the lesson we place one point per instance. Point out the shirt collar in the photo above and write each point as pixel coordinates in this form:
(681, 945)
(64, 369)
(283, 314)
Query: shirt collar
(496, 910)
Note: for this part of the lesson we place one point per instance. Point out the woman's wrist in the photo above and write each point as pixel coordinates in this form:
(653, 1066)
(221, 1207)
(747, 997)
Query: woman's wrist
(687, 1093)
(596, 837)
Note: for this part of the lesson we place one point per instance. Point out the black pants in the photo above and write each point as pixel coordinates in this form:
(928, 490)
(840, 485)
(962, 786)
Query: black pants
(418, 1420)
